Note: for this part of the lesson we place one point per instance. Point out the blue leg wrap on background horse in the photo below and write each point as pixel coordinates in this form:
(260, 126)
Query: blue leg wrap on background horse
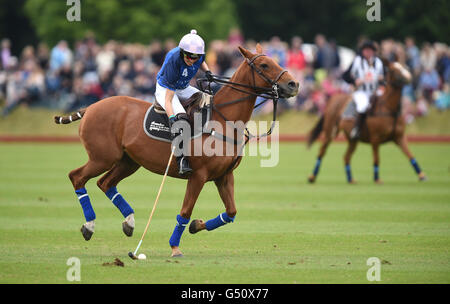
(375, 172)
(85, 202)
(415, 165)
(317, 167)
(348, 171)
(220, 220)
(118, 200)
(178, 231)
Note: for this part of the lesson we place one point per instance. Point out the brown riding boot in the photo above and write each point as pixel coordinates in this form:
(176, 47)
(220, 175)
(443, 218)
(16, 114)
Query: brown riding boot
(356, 131)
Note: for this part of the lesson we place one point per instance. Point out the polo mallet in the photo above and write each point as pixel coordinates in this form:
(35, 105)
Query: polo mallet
(133, 254)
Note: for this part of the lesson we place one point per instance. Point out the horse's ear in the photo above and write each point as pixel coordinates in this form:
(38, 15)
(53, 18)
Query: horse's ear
(259, 49)
(245, 53)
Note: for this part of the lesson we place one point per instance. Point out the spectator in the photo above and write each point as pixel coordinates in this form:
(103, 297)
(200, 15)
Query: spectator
(325, 56)
(428, 57)
(24, 86)
(296, 62)
(6, 54)
(43, 56)
(66, 79)
(235, 37)
(277, 51)
(428, 83)
(412, 56)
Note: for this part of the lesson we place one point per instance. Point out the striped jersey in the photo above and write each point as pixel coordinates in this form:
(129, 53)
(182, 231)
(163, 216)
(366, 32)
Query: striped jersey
(361, 69)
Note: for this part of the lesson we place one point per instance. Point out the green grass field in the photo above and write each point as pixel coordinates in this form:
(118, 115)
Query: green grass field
(286, 231)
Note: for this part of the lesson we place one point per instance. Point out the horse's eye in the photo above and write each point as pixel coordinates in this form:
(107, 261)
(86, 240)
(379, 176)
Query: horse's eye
(264, 66)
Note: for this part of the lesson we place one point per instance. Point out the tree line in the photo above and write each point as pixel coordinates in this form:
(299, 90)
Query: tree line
(32, 21)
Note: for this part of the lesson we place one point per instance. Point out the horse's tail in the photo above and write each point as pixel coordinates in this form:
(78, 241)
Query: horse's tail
(315, 132)
(70, 118)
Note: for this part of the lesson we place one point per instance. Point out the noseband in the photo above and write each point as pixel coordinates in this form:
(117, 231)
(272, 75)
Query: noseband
(273, 83)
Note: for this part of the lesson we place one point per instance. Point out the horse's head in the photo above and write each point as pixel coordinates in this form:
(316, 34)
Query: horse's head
(396, 74)
(270, 73)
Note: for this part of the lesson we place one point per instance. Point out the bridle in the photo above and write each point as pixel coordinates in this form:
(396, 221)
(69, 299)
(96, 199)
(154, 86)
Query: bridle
(267, 93)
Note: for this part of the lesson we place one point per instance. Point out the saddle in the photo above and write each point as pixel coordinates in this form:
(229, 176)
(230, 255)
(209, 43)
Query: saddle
(156, 122)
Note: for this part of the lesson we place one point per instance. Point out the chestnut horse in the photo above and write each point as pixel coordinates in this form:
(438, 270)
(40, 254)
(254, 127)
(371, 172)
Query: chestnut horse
(384, 123)
(112, 132)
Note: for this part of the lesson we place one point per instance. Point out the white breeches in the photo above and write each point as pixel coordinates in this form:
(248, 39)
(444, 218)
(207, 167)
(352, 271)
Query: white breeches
(361, 99)
(160, 95)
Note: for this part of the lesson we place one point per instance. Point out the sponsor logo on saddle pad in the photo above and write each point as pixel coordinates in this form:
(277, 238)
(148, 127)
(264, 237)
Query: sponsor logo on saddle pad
(158, 127)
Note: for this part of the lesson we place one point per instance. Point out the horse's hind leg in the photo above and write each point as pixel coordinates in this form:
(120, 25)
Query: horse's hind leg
(225, 185)
(108, 182)
(79, 178)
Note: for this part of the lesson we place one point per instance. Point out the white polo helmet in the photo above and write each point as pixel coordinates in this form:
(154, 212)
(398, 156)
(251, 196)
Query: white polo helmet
(192, 43)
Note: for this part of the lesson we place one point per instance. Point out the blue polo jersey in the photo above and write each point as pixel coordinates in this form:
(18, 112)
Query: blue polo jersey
(175, 74)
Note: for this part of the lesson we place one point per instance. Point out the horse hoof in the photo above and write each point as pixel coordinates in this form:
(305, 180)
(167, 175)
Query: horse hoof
(194, 227)
(128, 225)
(87, 234)
(176, 253)
(311, 179)
(127, 229)
(422, 177)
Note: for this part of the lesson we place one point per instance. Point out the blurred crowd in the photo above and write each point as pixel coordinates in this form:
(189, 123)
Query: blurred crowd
(68, 78)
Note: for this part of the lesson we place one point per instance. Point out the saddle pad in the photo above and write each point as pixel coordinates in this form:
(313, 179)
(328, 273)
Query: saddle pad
(350, 111)
(156, 125)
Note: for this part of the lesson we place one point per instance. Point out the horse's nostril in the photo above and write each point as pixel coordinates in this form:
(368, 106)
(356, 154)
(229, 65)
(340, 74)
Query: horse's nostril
(292, 84)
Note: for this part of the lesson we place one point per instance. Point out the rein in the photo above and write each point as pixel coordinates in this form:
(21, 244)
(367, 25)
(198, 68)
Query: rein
(266, 93)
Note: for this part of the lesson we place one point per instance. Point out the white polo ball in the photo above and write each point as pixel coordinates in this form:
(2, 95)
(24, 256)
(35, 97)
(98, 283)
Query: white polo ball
(142, 256)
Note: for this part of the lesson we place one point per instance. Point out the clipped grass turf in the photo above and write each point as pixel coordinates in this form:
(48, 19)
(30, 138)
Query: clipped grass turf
(286, 230)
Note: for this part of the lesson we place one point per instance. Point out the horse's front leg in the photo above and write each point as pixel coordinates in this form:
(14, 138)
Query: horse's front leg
(323, 150)
(347, 158)
(402, 143)
(194, 187)
(376, 162)
(225, 185)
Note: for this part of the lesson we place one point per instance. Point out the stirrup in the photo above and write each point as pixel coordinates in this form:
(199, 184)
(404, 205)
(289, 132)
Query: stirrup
(183, 167)
(354, 133)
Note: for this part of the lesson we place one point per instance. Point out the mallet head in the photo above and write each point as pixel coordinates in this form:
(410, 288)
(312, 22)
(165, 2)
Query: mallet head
(132, 255)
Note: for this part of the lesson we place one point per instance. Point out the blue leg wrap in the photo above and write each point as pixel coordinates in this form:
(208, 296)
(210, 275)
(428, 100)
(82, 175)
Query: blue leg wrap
(375, 172)
(178, 231)
(220, 220)
(118, 200)
(317, 167)
(348, 171)
(85, 202)
(415, 165)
